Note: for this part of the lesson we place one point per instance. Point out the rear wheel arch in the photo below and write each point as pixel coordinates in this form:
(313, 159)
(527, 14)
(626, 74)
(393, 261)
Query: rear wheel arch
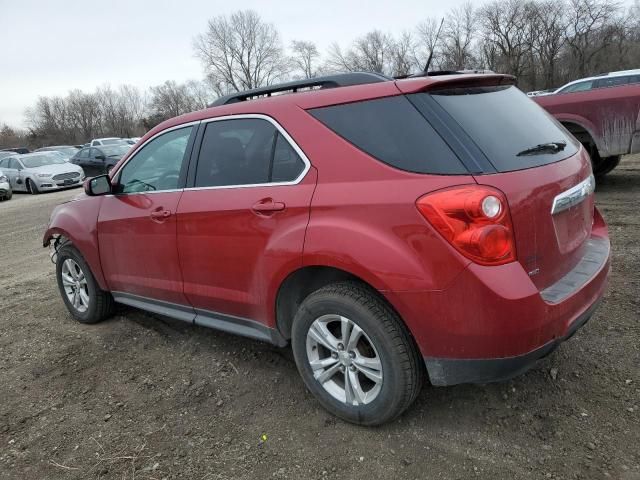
(301, 283)
(584, 134)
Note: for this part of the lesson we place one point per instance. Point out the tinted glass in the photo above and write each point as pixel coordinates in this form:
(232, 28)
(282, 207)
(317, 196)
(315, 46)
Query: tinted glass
(394, 132)
(94, 152)
(13, 163)
(287, 164)
(4, 163)
(157, 165)
(503, 122)
(611, 82)
(235, 152)
(84, 153)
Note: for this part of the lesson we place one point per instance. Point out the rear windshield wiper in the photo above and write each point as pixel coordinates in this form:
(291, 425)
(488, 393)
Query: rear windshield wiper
(550, 147)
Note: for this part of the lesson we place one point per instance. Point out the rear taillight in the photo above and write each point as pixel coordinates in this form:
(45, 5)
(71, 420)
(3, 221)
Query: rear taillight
(475, 220)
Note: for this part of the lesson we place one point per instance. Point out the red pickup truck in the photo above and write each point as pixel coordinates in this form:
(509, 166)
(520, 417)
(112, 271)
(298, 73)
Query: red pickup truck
(605, 120)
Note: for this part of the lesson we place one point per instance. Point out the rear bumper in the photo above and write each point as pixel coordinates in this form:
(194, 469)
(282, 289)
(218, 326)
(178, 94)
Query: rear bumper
(493, 323)
(446, 371)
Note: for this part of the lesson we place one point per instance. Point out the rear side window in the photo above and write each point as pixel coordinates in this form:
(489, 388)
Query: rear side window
(507, 126)
(394, 132)
(245, 152)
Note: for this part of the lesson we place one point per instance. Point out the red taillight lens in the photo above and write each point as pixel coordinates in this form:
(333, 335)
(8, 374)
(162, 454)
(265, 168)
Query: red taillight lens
(475, 220)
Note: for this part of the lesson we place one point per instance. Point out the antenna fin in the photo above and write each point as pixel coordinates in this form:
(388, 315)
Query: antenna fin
(426, 67)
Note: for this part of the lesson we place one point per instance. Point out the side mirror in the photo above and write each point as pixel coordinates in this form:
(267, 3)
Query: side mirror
(100, 157)
(100, 185)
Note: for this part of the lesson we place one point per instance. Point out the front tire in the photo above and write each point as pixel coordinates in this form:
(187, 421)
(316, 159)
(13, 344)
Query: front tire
(81, 294)
(31, 187)
(355, 354)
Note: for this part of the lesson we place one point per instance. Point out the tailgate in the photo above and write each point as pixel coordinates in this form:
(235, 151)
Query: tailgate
(550, 240)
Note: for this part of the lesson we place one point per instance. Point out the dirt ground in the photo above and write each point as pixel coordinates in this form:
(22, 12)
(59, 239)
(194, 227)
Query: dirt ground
(144, 397)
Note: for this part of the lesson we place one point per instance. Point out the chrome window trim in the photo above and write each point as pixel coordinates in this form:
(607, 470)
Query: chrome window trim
(286, 136)
(573, 196)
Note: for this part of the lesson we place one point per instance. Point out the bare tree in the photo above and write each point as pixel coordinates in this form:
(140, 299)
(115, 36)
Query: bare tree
(304, 58)
(548, 29)
(428, 42)
(369, 53)
(241, 52)
(587, 33)
(458, 35)
(403, 55)
(505, 26)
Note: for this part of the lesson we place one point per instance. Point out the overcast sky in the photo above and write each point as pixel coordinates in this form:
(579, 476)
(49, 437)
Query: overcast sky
(50, 47)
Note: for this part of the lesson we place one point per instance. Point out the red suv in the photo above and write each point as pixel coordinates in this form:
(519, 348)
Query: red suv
(382, 227)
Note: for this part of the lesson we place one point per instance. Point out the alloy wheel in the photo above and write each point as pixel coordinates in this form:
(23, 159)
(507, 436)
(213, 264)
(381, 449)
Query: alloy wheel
(344, 360)
(75, 285)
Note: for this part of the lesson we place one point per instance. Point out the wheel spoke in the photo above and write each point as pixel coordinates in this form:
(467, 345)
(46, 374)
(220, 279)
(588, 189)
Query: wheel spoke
(76, 299)
(356, 332)
(357, 394)
(67, 279)
(370, 367)
(323, 336)
(84, 298)
(345, 329)
(328, 373)
(348, 389)
(322, 364)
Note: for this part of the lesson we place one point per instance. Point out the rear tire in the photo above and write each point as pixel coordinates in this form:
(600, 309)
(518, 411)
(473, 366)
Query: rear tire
(31, 187)
(81, 294)
(377, 342)
(602, 166)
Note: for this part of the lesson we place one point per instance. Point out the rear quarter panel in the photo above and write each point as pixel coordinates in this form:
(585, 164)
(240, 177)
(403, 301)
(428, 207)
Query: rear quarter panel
(363, 215)
(611, 115)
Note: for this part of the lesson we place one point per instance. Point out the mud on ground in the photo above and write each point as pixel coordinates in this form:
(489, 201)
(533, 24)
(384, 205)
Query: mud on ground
(144, 397)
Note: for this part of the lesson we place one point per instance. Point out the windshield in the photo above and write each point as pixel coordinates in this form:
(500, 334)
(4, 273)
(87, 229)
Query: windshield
(115, 150)
(511, 130)
(36, 161)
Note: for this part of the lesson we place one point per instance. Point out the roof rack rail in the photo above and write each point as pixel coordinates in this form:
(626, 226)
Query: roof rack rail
(329, 81)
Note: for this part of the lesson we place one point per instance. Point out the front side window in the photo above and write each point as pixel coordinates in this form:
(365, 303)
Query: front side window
(13, 163)
(4, 163)
(247, 151)
(157, 165)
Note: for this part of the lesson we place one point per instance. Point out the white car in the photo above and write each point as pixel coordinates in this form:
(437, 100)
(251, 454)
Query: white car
(40, 171)
(98, 142)
(5, 187)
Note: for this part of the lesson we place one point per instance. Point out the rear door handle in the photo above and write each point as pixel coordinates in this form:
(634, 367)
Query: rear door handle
(267, 206)
(160, 215)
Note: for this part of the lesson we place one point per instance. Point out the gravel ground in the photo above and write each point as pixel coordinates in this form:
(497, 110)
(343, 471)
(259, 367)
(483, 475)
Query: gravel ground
(144, 397)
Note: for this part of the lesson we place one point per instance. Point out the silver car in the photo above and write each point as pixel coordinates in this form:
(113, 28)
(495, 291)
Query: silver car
(5, 187)
(41, 171)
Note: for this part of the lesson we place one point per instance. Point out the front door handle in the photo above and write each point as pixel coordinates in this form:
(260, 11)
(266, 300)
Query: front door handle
(267, 206)
(160, 215)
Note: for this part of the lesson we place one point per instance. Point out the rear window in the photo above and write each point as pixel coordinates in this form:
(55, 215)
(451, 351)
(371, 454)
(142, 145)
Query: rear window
(504, 123)
(394, 132)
